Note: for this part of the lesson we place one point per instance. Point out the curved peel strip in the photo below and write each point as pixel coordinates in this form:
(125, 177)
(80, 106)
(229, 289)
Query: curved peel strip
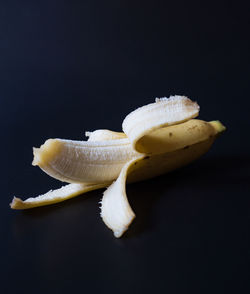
(115, 209)
(164, 112)
(55, 196)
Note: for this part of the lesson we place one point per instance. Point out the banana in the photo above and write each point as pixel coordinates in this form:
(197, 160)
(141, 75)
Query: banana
(156, 138)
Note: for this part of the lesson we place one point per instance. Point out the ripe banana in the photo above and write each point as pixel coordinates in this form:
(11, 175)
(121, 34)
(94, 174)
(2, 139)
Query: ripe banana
(156, 138)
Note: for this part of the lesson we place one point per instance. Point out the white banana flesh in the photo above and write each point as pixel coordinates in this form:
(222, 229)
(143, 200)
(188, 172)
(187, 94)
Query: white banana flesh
(157, 138)
(83, 161)
(103, 135)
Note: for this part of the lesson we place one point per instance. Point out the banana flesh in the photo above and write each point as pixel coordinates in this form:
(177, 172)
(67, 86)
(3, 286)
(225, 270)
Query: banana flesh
(85, 161)
(103, 135)
(156, 138)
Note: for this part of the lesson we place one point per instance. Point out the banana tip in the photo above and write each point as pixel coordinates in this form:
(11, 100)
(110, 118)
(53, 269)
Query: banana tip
(15, 203)
(218, 126)
(36, 156)
(46, 152)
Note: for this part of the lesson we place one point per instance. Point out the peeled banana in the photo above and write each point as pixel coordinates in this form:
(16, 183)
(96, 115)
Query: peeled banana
(156, 138)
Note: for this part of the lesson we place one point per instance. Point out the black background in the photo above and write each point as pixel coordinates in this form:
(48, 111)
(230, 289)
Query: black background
(71, 66)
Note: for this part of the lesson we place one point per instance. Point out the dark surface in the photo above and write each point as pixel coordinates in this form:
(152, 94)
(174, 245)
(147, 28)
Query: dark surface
(71, 66)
